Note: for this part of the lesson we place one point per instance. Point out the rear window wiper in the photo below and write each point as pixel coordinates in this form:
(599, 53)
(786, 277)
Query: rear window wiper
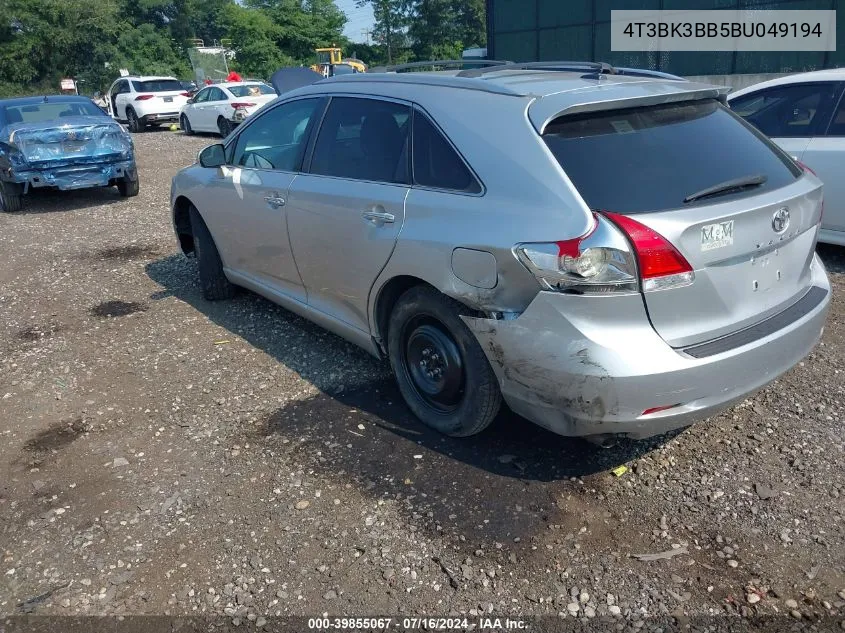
(729, 186)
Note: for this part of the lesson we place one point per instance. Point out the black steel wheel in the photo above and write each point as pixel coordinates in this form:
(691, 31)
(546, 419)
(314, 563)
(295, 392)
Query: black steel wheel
(440, 368)
(433, 363)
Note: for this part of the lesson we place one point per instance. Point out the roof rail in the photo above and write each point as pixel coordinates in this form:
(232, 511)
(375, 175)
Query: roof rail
(599, 67)
(440, 62)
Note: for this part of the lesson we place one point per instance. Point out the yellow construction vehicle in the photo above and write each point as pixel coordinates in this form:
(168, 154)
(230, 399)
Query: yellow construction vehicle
(330, 62)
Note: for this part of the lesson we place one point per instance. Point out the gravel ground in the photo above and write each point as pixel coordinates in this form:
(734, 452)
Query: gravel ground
(164, 455)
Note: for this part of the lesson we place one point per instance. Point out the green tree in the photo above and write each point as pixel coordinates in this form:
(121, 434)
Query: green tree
(253, 34)
(391, 23)
(442, 29)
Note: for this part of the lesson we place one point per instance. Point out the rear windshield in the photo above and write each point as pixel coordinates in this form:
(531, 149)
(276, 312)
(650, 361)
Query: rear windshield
(41, 112)
(254, 90)
(642, 160)
(157, 85)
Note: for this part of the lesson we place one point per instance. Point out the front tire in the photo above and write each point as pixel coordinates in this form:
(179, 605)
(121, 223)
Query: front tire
(11, 197)
(440, 368)
(213, 282)
(133, 122)
(185, 124)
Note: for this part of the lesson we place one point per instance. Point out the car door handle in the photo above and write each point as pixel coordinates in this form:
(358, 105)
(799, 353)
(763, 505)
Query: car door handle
(274, 201)
(379, 217)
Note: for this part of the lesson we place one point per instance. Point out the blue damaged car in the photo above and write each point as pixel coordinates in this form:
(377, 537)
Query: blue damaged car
(63, 142)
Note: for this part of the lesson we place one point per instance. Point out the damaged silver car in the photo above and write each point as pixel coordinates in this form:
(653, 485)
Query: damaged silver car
(63, 142)
(607, 253)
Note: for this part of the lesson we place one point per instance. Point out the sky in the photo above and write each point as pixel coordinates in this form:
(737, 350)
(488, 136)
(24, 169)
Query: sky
(359, 20)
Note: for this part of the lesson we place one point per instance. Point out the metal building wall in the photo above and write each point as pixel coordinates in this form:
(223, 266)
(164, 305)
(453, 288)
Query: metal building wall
(540, 30)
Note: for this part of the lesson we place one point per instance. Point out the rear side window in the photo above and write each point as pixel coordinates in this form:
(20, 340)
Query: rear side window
(252, 90)
(157, 85)
(436, 164)
(642, 160)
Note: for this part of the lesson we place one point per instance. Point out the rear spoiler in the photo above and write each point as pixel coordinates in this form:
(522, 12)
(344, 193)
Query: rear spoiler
(613, 97)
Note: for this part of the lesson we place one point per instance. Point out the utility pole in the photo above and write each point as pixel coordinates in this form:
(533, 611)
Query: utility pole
(366, 33)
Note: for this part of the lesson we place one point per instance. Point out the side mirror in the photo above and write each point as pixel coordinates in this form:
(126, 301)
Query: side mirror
(213, 156)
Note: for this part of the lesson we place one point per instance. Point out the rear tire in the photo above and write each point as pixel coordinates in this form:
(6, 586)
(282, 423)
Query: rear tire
(440, 368)
(133, 122)
(225, 126)
(213, 282)
(11, 197)
(128, 187)
(185, 124)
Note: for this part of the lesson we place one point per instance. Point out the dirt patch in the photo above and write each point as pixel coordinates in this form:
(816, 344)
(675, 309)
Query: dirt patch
(125, 253)
(56, 436)
(38, 332)
(117, 308)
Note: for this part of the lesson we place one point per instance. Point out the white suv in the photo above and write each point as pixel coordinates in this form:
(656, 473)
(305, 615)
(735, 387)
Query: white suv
(141, 101)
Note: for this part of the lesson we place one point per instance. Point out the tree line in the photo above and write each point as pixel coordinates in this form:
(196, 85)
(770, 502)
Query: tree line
(42, 41)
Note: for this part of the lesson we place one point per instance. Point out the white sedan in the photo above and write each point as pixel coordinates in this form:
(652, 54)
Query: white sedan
(221, 107)
(805, 115)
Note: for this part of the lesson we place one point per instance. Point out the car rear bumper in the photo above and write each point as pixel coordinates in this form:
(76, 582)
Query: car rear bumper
(80, 176)
(161, 117)
(582, 366)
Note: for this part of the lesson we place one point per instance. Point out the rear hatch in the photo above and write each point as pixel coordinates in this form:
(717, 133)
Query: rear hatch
(738, 209)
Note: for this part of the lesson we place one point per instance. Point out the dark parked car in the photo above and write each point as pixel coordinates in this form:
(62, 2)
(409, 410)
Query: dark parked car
(64, 142)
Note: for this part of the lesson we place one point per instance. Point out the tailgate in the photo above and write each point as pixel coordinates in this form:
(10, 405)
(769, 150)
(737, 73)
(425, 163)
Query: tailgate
(738, 209)
(745, 270)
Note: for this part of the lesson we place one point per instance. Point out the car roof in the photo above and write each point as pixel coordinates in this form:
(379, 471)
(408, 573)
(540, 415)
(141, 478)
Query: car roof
(553, 93)
(147, 78)
(829, 74)
(515, 82)
(24, 101)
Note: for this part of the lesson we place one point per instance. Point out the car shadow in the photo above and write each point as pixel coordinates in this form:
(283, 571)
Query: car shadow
(39, 201)
(833, 257)
(512, 448)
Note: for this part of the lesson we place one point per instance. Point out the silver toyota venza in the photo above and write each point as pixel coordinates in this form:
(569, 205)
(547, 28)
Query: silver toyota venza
(605, 252)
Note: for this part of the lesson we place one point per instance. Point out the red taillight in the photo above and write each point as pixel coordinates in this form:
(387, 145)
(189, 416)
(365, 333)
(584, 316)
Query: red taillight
(143, 97)
(240, 104)
(659, 409)
(805, 168)
(661, 264)
(185, 94)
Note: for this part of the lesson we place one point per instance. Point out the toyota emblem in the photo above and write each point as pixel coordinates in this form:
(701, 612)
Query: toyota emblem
(780, 220)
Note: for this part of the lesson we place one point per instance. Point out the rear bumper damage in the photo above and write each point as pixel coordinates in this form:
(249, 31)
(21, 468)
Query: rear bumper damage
(593, 365)
(75, 176)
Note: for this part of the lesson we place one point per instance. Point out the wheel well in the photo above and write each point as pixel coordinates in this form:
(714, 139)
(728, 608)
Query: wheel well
(387, 298)
(182, 222)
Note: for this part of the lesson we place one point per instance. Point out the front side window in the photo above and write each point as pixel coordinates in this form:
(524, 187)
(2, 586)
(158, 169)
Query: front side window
(798, 110)
(363, 139)
(215, 94)
(276, 139)
(436, 163)
(202, 95)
